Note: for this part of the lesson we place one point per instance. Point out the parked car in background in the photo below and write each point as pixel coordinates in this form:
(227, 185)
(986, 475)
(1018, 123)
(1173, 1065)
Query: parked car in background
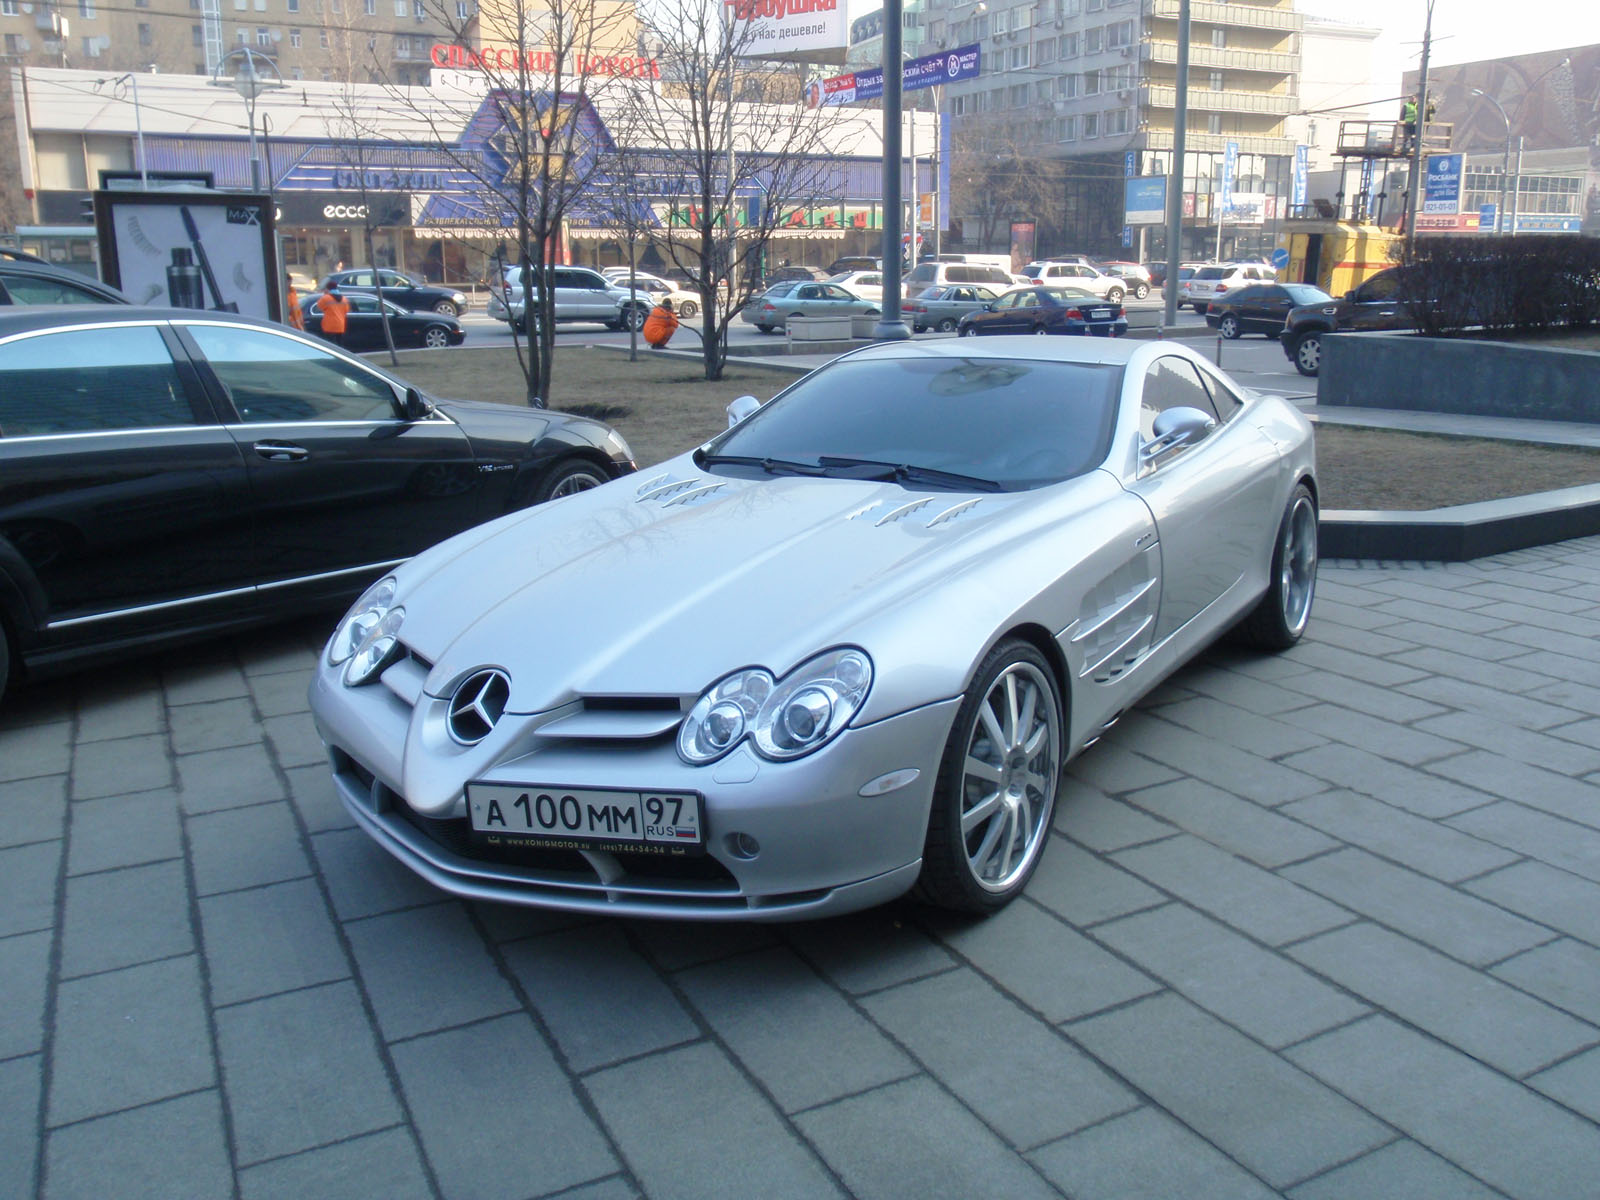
(927, 273)
(167, 472)
(1045, 310)
(771, 310)
(1375, 304)
(866, 284)
(854, 262)
(364, 326)
(1210, 282)
(790, 273)
(930, 572)
(26, 280)
(580, 295)
(647, 282)
(654, 289)
(941, 307)
(1134, 276)
(1260, 308)
(1077, 275)
(408, 291)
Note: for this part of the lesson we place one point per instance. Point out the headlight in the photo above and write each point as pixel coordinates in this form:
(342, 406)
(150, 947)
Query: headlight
(458, 297)
(361, 620)
(785, 718)
(377, 651)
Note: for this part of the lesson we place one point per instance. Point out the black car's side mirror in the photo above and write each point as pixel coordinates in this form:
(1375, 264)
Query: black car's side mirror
(988, 308)
(1350, 296)
(417, 407)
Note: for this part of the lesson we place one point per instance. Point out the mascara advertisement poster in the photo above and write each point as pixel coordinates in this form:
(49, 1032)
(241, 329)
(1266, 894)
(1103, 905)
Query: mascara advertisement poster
(200, 250)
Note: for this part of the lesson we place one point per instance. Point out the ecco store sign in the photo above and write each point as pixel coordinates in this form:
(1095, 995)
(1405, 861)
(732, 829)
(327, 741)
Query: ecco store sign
(338, 209)
(345, 212)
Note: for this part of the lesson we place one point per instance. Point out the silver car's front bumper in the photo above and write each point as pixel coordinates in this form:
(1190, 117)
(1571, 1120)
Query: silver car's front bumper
(823, 848)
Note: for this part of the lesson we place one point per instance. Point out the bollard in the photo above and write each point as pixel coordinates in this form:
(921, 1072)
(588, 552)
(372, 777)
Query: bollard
(1219, 350)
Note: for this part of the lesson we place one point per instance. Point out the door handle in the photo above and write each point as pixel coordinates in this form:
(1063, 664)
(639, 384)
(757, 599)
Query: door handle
(281, 452)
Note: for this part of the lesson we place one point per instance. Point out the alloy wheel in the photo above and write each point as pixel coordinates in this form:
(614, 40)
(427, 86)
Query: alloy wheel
(1009, 778)
(1297, 577)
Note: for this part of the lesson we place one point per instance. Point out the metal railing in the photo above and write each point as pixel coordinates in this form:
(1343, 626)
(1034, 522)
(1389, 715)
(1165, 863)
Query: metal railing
(1387, 139)
(1216, 143)
(1205, 100)
(1223, 57)
(1251, 16)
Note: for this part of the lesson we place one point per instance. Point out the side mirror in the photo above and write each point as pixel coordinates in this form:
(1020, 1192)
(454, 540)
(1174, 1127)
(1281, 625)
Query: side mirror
(417, 407)
(1350, 296)
(741, 408)
(988, 308)
(1176, 427)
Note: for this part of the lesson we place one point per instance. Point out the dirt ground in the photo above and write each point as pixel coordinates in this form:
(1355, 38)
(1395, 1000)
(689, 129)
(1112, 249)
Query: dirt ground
(664, 406)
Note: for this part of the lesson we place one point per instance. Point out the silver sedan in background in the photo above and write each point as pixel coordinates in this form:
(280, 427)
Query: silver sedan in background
(942, 306)
(841, 651)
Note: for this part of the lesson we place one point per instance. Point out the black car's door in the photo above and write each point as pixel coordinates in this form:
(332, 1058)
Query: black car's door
(340, 481)
(122, 499)
(1265, 309)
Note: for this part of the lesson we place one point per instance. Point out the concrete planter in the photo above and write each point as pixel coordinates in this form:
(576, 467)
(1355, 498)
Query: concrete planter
(819, 329)
(862, 325)
(1459, 375)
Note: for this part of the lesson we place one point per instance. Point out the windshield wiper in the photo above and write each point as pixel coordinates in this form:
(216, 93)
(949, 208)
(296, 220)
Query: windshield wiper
(772, 466)
(907, 473)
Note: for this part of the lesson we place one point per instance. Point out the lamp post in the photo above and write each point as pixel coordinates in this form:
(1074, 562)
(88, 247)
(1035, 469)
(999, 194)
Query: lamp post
(132, 80)
(1505, 161)
(249, 81)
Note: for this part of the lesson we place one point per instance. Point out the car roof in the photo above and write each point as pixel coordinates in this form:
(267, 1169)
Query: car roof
(1107, 351)
(25, 318)
(33, 268)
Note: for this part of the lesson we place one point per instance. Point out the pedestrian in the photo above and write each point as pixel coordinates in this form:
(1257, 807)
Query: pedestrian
(291, 302)
(334, 309)
(660, 325)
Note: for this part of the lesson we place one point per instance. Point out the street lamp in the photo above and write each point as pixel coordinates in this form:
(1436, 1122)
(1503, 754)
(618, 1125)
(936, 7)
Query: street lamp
(249, 81)
(1507, 177)
(1505, 161)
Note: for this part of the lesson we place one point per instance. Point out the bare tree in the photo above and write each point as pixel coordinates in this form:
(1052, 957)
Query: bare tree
(996, 179)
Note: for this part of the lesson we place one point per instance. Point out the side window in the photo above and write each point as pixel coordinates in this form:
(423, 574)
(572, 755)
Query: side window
(360, 278)
(1383, 286)
(1224, 398)
(26, 290)
(959, 274)
(565, 279)
(1009, 300)
(1028, 300)
(272, 377)
(83, 380)
(923, 273)
(390, 279)
(1171, 383)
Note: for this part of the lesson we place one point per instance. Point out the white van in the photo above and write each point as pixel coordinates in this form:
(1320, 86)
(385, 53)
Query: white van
(1003, 261)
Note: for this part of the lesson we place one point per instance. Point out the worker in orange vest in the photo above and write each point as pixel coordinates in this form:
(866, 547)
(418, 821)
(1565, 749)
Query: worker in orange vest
(291, 301)
(660, 325)
(334, 309)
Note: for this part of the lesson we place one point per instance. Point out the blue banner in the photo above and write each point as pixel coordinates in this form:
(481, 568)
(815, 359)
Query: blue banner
(1443, 191)
(1302, 178)
(931, 70)
(944, 173)
(1144, 200)
(1230, 167)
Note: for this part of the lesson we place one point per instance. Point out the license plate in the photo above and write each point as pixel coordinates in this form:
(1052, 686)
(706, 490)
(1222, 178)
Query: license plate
(1100, 314)
(585, 818)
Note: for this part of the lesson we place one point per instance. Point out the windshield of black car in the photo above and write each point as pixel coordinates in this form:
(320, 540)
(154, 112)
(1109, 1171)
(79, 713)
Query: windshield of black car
(1302, 293)
(1020, 423)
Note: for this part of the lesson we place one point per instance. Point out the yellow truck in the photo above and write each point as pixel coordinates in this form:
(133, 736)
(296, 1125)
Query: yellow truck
(1335, 255)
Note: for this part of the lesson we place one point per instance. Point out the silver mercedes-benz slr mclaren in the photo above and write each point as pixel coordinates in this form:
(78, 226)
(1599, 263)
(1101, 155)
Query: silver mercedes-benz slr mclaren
(840, 651)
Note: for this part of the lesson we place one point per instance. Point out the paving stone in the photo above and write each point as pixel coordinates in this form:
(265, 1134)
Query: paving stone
(1366, 641)
(1530, 597)
(673, 945)
(1423, 845)
(124, 831)
(118, 918)
(124, 1038)
(301, 1070)
(384, 1164)
(1511, 780)
(245, 847)
(1445, 918)
(1576, 1083)
(1047, 967)
(1190, 754)
(1491, 648)
(475, 1088)
(426, 969)
(668, 1143)
(1353, 616)
(1494, 1023)
(1312, 655)
(1564, 972)
(911, 1139)
(213, 725)
(1559, 900)
(1083, 888)
(1019, 1075)
(175, 1148)
(205, 680)
(269, 940)
(868, 951)
(616, 1187)
(1442, 592)
(1279, 1123)
(1488, 702)
(513, 922)
(1551, 840)
(295, 742)
(1402, 1168)
(136, 764)
(120, 708)
(1490, 1126)
(292, 650)
(364, 879)
(1472, 668)
(315, 798)
(33, 750)
(32, 810)
(1090, 817)
(28, 887)
(1376, 735)
(280, 693)
(1415, 791)
(19, 1123)
(1567, 693)
(1552, 641)
(24, 978)
(1239, 727)
(1265, 995)
(793, 1032)
(231, 778)
(1113, 768)
(1144, 1155)
(1535, 617)
(1258, 902)
(1465, 620)
(1242, 691)
(1229, 823)
(600, 1000)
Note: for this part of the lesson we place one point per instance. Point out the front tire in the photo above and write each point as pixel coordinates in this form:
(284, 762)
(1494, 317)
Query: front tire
(1228, 327)
(1308, 353)
(6, 658)
(435, 337)
(688, 310)
(969, 331)
(1114, 296)
(632, 319)
(567, 478)
(997, 784)
(446, 308)
(1281, 617)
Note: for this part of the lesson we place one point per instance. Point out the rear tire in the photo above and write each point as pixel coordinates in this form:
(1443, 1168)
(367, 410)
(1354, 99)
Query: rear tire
(1141, 290)
(688, 310)
(946, 325)
(1114, 295)
(435, 337)
(969, 331)
(1308, 353)
(632, 319)
(1280, 618)
(1228, 327)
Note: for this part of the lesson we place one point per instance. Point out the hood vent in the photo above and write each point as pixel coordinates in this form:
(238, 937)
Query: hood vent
(669, 491)
(954, 511)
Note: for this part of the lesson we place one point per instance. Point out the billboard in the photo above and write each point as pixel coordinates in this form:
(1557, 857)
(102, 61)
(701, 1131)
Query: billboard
(948, 66)
(1247, 208)
(1144, 200)
(798, 30)
(1443, 191)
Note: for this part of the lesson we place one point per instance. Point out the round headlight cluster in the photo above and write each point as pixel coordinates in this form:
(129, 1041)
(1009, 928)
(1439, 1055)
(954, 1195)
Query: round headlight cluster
(368, 637)
(784, 718)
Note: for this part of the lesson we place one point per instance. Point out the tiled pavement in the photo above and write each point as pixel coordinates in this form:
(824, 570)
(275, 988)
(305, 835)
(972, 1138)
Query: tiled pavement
(1325, 925)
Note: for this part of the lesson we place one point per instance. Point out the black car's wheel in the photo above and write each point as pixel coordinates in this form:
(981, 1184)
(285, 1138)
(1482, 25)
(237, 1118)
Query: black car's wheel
(997, 784)
(947, 324)
(1114, 296)
(446, 308)
(1041, 332)
(1228, 327)
(1277, 622)
(435, 337)
(1141, 290)
(969, 331)
(1308, 352)
(5, 659)
(688, 310)
(567, 478)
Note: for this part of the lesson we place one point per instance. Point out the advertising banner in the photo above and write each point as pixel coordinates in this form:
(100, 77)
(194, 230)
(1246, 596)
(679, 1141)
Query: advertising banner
(1302, 177)
(1247, 208)
(1145, 200)
(1022, 243)
(950, 66)
(801, 30)
(1443, 191)
(1230, 168)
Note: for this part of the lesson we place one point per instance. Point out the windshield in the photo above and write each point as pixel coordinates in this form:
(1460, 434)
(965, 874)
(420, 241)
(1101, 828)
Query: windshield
(1304, 293)
(1211, 272)
(1016, 423)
